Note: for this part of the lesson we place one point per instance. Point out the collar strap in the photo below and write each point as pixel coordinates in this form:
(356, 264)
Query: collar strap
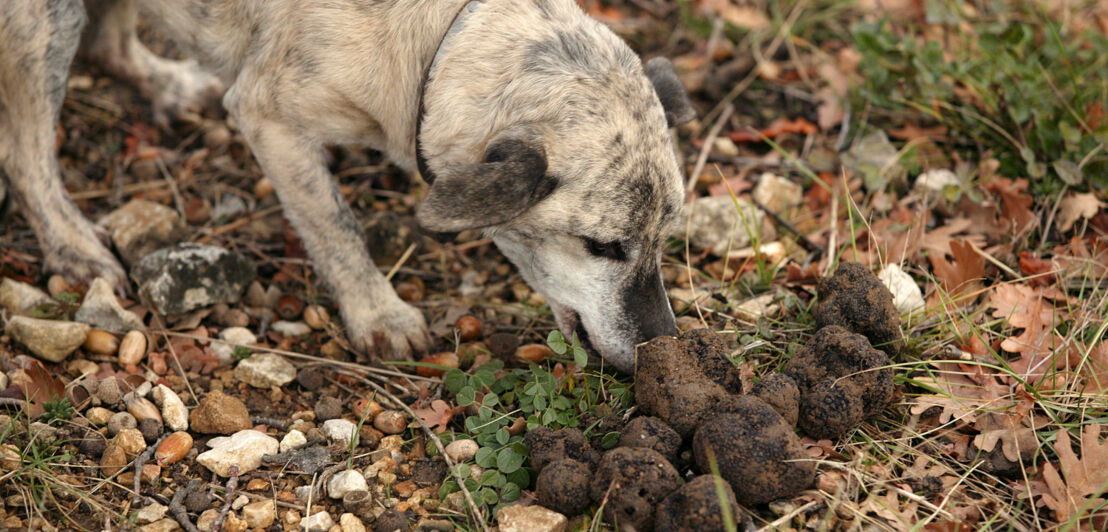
(455, 27)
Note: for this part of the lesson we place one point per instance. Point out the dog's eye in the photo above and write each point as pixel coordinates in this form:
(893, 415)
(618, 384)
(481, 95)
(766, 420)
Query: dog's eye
(608, 250)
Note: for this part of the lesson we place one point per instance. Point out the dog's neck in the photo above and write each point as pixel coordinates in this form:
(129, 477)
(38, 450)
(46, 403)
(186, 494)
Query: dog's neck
(459, 22)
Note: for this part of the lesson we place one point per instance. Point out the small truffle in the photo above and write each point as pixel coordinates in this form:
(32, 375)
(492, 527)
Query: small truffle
(563, 486)
(755, 450)
(779, 391)
(695, 507)
(854, 298)
(546, 446)
(652, 433)
(634, 480)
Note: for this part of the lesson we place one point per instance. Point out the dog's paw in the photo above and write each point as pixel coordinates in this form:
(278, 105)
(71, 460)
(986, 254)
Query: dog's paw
(182, 88)
(393, 331)
(83, 260)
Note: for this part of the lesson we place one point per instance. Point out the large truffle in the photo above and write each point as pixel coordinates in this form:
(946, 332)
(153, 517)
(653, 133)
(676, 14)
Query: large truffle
(754, 449)
(563, 486)
(840, 382)
(678, 379)
(634, 480)
(779, 391)
(652, 433)
(854, 298)
(696, 507)
(546, 445)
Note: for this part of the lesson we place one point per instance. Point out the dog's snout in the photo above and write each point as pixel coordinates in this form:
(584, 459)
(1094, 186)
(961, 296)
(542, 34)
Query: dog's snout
(648, 308)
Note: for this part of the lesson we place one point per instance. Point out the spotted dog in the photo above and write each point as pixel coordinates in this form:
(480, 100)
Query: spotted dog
(530, 121)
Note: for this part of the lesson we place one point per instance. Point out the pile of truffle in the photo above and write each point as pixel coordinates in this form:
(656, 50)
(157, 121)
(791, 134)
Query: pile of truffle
(693, 393)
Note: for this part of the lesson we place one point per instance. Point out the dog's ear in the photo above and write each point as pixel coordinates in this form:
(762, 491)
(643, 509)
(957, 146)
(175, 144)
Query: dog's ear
(670, 91)
(511, 179)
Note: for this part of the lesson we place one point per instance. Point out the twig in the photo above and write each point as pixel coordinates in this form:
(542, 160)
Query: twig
(702, 158)
(139, 463)
(275, 423)
(776, 524)
(400, 262)
(238, 223)
(172, 182)
(232, 483)
(804, 241)
(177, 509)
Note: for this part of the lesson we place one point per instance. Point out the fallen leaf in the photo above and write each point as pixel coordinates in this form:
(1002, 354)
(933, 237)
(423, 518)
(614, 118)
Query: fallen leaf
(1082, 481)
(778, 127)
(438, 416)
(1015, 205)
(912, 132)
(1037, 269)
(742, 16)
(964, 275)
(1077, 207)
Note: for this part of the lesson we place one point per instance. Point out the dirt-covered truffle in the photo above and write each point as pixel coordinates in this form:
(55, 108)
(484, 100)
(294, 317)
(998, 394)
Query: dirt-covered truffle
(695, 507)
(563, 486)
(634, 480)
(854, 298)
(839, 382)
(678, 379)
(779, 391)
(546, 446)
(755, 449)
(652, 433)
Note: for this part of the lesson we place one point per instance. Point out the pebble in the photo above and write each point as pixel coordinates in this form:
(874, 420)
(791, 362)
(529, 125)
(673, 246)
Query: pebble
(98, 415)
(390, 422)
(346, 482)
(151, 429)
(102, 310)
(265, 370)
(132, 349)
(100, 342)
(339, 430)
(232, 335)
(140, 227)
(10, 459)
(108, 391)
(259, 514)
(310, 378)
(173, 448)
(131, 441)
(462, 450)
(150, 513)
(21, 298)
(142, 408)
(49, 340)
(316, 316)
(320, 522)
(167, 524)
(191, 276)
(174, 412)
(121, 421)
(777, 193)
(715, 223)
(112, 460)
(239, 502)
(530, 519)
(244, 449)
(328, 407)
(42, 432)
(350, 523)
(206, 520)
(219, 413)
(907, 295)
(935, 180)
(292, 440)
(292, 329)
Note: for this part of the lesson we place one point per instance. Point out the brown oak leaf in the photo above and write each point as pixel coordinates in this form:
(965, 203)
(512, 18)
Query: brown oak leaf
(1082, 482)
(438, 416)
(963, 276)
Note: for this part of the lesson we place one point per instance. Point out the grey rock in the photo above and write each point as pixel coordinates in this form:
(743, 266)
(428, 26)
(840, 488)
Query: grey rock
(140, 227)
(265, 370)
(21, 298)
(49, 340)
(42, 432)
(244, 449)
(189, 276)
(102, 310)
(719, 222)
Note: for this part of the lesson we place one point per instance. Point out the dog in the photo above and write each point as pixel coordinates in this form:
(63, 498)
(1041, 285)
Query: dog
(531, 122)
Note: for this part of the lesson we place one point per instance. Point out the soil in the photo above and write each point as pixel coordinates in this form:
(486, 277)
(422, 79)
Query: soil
(696, 507)
(854, 298)
(755, 449)
(563, 486)
(633, 480)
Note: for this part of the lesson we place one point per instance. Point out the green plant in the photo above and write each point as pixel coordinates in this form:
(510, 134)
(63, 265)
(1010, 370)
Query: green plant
(241, 353)
(58, 408)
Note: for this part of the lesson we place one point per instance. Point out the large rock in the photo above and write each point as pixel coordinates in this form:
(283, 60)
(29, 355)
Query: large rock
(219, 414)
(191, 276)
(243, 449)
(21, 298)
(49, 340)
(102, 310)
(140, 227)
(719, 222)
(265, 370)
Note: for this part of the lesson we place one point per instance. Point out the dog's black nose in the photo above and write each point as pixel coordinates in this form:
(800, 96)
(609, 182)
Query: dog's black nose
(647, 306)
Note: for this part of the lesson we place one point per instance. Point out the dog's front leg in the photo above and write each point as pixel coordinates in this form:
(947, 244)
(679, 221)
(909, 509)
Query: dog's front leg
(377, 320)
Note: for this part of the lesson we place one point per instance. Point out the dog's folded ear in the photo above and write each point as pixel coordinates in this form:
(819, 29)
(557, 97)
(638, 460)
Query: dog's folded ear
(511, 179)
(670, 91)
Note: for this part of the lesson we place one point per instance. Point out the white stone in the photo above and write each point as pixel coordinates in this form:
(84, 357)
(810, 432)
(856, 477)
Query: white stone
(756, 307)
(935, 180)
(720, 223)
(231, 336)
(244, 449)
(150, 513)
(206, 520)
(265, 370)
(350, 523)
(530, 519)
(291, 328)
(320, 522)
(20, 298)
(292, 440)
(140, 227)
(259, 514)
(239, 502)
(777, 193)
(462, 450)
(174, 412)
(346, 482)
(725, 147)
(339, 430)
(48, 339)
(906, 293)
(102, 310)
(166, 524)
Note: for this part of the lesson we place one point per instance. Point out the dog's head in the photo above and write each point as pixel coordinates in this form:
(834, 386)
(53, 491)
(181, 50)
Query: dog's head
(567, 162)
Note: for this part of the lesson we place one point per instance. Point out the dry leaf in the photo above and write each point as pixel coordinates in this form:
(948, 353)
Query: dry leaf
(438, 416)
(742, 16)
(1015, 205)
(1077, 207)
(1082, 481)
(965, 274)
